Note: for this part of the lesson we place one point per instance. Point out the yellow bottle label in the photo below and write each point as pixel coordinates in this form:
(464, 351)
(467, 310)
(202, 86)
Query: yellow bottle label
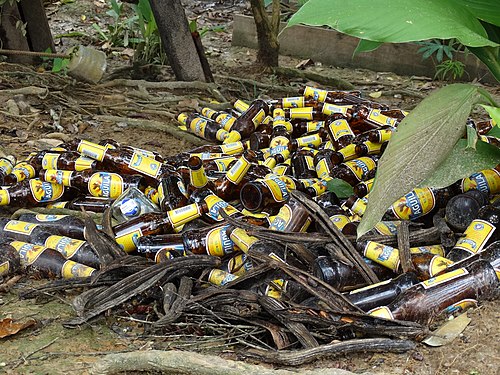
(221, 135)
(215, 204)
(220, 277)
(152, 194)
(269, 162)
(58, 177)
(4, 268)
(182, 118)
(183, 215)
(278, 116)
(282, 219)
(359, 206)
(83, 163)
(276, 187)
(438, 264)
(314, 126)
(5, 166)
(73, 270)
(198, 178)
(232, 148)
(378, 118)
(462, 305)
(45, 191)
(340, 128)
(305, 113)
(259, 117)
(313, 141)
(240, 105)
(431, 249)
(278, 144)
(440, 279)
(381, 312)
(372, 148)
(293, 102)
(218, 242)
(309, 162)
(360, 167)
(348, 152)
(128, 241)
(197, 126)
(242, 240)
(267, 120)
(105, 185)
(320, 186)
(23, 171)
(368, 184)
(239, 264)
(92, 150)
(487, 181)
(289, 182)
(385, 135)
(223, 163)
(4, 197)
(49, 161)
(329, 145)
(65, 245)
(49, 218)
(322, 169)
(238, 170)
(226, 120)
(316, 94)
(276, 288)
(28, 252)
(369, 287)
(208, 112)
(329, 108)
(145, 165)
(339, 220)
(475, 236)
(57, 205)
(308, 181)
(280, 170)
(20, 227)
(416, 203)
(386, 256)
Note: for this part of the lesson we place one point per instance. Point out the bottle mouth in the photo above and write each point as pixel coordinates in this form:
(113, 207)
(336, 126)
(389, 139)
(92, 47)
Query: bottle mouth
(251, 197)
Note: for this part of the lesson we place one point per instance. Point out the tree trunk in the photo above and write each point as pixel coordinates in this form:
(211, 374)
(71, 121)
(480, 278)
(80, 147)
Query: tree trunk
(267, 32)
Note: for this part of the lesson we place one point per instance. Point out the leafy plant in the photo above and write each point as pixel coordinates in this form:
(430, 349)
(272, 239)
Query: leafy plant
(426, 149)
(59, 65)
(475, 24)
(118, 31)
(450, 69)
(439, 47)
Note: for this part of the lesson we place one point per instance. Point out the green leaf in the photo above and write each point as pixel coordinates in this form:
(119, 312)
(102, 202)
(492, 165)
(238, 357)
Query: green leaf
(489, 56)
(366, 46)
(471, 137)
(486, 10)
(341, 188)
(396, 21)
(494, 113)
(421, 143)
(462, 162)
(495, 132)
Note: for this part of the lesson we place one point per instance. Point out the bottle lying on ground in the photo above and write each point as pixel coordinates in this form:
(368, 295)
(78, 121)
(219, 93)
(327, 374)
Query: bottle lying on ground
(73, 249)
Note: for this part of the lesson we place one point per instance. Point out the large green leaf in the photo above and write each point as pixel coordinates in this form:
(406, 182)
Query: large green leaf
(494, 112)
(396, 21)
(366, 46)
(462, 162)
(486, 10)
(423, 140)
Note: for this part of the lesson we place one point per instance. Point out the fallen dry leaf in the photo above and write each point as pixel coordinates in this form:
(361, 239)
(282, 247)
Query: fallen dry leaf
(375, 94)
(8, 327)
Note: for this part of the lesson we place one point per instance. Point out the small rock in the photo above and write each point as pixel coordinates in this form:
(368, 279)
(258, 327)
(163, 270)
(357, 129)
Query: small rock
(417, 356)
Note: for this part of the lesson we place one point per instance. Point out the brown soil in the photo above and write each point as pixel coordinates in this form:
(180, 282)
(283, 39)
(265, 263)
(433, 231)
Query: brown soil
(51, 349)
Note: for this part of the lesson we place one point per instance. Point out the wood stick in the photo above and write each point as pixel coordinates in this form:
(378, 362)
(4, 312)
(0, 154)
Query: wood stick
(299, 357)
(403, 236)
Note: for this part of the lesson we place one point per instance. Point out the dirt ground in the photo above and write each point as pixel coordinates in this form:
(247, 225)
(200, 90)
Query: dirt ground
(48, 348)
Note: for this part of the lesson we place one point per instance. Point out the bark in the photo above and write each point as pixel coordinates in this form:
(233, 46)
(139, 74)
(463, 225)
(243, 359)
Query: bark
(267, 32)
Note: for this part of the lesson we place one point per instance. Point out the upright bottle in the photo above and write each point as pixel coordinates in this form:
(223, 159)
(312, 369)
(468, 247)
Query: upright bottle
(478, 234)
(197, 176)
(447, 292)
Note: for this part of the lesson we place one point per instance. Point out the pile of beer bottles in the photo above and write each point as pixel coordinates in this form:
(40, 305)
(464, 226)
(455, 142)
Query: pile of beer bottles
(168, 207)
